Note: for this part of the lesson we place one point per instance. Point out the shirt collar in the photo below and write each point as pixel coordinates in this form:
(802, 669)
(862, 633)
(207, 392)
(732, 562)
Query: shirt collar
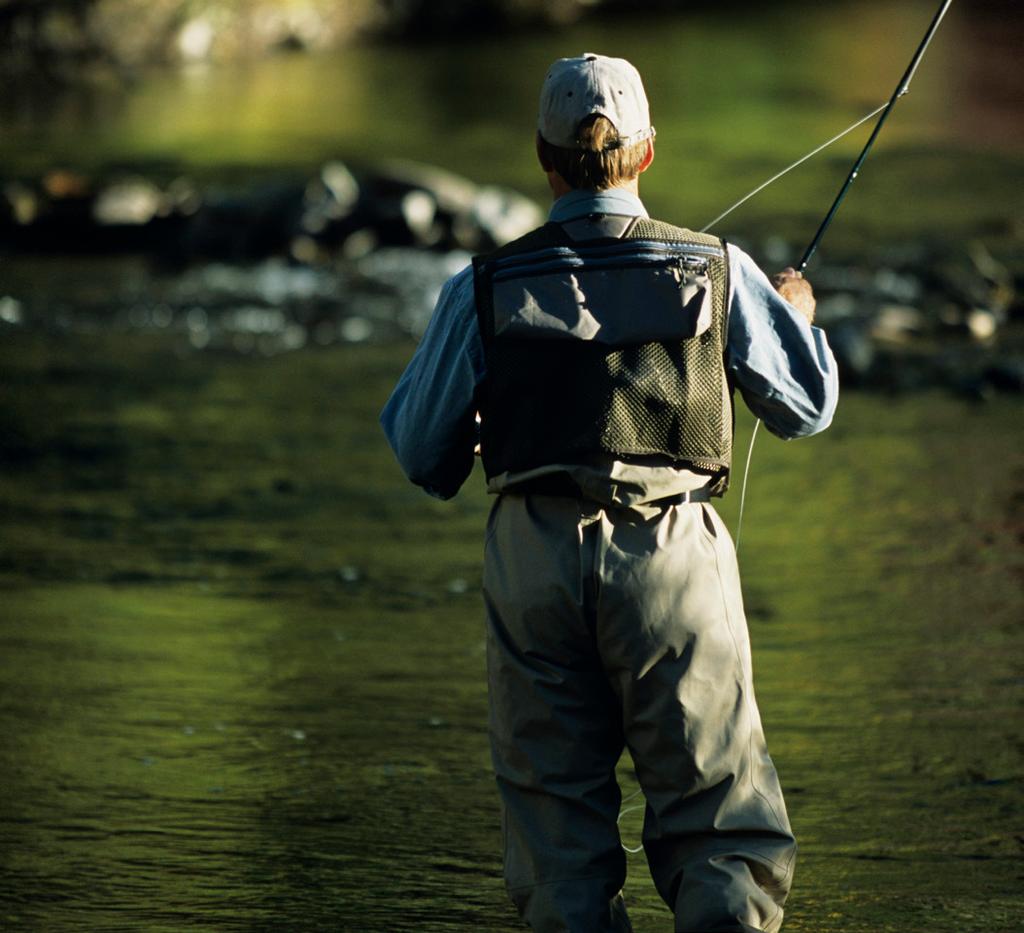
(580, 202)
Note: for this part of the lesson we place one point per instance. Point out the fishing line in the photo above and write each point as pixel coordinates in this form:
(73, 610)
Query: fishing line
(790, 168)
(743, 488)
(623, 811)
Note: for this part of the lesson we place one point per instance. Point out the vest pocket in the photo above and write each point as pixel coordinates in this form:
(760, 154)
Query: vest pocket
(617, 305)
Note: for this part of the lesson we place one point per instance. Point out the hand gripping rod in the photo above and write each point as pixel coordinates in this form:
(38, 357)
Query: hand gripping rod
(901, 89)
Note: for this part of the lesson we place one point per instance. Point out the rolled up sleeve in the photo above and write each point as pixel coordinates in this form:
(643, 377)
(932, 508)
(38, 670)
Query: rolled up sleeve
(430, 418)
(783, 366)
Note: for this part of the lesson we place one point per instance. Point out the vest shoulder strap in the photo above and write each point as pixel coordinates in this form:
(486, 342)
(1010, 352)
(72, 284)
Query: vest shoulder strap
(644, 228)
(647, 229)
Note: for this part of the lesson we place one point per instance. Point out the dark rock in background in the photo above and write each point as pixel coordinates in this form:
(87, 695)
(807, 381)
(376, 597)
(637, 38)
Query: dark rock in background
(854, 351)
(273, 266)
(1006, 375)
(401, 204)
(289, 262)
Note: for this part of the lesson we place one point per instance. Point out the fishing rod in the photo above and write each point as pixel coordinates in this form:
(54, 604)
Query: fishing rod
(884, 110)
(901, 89)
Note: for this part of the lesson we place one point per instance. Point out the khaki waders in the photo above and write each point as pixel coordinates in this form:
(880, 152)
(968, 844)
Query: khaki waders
(613, 626)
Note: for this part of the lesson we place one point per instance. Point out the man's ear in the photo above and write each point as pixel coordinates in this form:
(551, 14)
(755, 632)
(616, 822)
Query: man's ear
(648, 157)
(541, 155)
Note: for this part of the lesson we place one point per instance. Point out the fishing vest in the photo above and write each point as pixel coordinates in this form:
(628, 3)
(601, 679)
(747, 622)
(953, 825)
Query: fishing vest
(605, 334)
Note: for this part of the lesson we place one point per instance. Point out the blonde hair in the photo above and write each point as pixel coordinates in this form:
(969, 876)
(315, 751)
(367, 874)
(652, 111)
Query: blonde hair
(599, 161)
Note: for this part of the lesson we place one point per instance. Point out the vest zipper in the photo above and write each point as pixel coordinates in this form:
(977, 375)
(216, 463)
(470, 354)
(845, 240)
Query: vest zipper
(559, 257)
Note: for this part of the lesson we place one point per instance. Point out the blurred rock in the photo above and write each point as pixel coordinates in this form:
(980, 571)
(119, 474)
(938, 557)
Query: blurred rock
(130, 201)
(897, 323)
(195, 39)
(19, 204)
(245, 225)
(11, 311)
(1002, 289)
(183, 197)
(1006, 375)
(453, 193)
(981, 324)
(328, 203)
(901, 287)
(853, 349)
(415, 277)
(65, 183)
(777, 252)
(503, 215)
(419, 210)
(401, 204)
(833, 308)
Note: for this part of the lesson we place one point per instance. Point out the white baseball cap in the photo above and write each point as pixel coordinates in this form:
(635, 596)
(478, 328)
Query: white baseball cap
(575, 88)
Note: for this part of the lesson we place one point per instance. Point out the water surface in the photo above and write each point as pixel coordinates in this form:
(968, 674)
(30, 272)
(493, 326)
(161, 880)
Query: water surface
(241, 659)
(243, 675)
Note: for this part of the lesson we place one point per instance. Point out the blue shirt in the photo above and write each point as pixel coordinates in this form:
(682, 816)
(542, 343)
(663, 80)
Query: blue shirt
(782, 366)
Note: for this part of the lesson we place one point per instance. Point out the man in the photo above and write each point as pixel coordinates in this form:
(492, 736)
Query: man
(601, 352)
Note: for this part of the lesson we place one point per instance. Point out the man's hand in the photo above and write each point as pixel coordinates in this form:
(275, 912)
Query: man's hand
(796, 290)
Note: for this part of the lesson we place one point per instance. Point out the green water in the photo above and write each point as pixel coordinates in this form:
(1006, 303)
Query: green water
(241, 659)
(243, 674)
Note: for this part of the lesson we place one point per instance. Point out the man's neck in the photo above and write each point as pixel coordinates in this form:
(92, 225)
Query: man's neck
(560, 188)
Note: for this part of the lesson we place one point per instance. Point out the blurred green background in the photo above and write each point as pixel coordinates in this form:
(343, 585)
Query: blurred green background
(241, 659)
